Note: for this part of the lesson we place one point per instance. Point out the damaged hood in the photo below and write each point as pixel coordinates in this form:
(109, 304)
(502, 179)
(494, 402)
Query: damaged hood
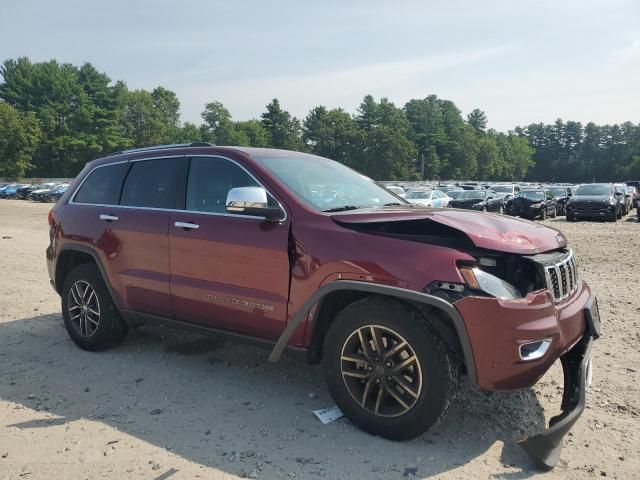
(484, 230)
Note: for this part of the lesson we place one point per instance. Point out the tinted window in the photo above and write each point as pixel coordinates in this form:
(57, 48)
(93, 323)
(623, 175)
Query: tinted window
(415, 195)
(152, 183)
(594, 189)
(472, 195)
(210, 180)
(103, 185)
(532, 194)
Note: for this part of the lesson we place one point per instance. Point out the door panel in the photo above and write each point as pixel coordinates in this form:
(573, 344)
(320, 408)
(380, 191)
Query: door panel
(136, 247)
(227, 271)
(230, 273)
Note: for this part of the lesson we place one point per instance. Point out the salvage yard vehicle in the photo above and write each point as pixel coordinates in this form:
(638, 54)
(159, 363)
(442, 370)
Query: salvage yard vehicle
(10, 191)
(25, 192)
(395, 300)
(397, 190)
(634, 194)
(481, 200)
(427, 197)
(636, 185)
(54, 194)
(562, 194)
(509, 190)
(624, 197)
(532, 203)
(42, 191)
(594, 200)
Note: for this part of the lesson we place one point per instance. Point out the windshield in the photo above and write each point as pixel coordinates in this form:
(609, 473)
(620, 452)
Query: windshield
(593, 189)
(558, 192)
(502, 189)
(472, 194)
(324, 184)
(532, 194)
(455, 193)
(418, 194)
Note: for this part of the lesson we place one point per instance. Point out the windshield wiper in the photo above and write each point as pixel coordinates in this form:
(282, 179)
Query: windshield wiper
(393, 204)
(343, 208)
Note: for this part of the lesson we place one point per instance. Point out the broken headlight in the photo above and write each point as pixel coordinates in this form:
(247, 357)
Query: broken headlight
(480, 280)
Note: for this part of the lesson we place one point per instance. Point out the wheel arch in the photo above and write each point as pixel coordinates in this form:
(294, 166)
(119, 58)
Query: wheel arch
(72, 255)
(333, 297)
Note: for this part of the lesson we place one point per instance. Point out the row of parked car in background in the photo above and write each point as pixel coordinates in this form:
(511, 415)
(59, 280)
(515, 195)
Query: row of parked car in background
(42, 192)
(606, 201)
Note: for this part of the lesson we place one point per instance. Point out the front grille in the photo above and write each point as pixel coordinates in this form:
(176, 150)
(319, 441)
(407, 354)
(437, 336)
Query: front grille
(562, 277)
(590, 207)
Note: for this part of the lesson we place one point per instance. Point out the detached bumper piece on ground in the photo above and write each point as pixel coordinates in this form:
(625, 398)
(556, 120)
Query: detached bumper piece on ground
(545, 448)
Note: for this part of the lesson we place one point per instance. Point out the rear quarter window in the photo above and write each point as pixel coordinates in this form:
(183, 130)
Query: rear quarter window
(103, 185)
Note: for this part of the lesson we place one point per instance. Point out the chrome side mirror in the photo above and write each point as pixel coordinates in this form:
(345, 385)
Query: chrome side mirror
(251, 201)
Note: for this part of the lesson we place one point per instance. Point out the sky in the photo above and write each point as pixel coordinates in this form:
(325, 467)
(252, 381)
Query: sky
(521, 61)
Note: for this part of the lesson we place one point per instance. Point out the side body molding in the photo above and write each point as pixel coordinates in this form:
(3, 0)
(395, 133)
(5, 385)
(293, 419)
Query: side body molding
(418, 297)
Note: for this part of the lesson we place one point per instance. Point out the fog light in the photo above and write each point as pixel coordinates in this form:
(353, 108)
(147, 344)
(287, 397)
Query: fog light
(534, 350)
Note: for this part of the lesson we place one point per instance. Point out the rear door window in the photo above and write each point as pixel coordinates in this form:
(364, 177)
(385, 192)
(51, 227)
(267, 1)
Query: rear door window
(152, 183)
(103, 185)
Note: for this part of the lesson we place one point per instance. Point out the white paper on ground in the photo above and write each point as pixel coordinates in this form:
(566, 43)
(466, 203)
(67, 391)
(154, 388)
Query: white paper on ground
(328, 415)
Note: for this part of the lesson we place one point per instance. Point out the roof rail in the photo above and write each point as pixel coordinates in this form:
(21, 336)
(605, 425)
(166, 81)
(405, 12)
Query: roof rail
(163, 147)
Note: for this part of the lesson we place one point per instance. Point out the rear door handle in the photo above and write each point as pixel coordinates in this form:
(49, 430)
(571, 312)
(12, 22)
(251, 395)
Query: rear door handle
(108, 218)
(187, 225)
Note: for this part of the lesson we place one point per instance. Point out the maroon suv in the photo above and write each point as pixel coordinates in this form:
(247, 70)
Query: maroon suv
(306, 255)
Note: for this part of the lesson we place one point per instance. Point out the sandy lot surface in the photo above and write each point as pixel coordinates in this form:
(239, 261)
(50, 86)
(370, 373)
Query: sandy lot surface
(170, 405)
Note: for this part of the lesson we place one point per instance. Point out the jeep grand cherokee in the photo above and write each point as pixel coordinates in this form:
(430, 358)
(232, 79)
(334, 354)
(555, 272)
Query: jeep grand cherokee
(306, 255)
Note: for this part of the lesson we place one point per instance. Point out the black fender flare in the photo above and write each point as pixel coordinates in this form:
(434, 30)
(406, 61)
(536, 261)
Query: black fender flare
(96, 258)
(422, 298)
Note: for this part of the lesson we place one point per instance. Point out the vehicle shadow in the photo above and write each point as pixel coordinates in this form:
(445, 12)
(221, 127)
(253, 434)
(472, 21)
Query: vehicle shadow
(223, 405)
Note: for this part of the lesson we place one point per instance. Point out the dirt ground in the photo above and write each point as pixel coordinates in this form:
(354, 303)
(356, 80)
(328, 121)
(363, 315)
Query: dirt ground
(167, 405)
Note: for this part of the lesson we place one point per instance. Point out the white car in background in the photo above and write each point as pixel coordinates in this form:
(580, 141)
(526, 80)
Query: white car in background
(427, 197)
(397, 190)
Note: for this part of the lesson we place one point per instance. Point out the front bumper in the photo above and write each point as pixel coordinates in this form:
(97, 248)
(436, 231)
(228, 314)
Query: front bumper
(596, 211)
(497, 329)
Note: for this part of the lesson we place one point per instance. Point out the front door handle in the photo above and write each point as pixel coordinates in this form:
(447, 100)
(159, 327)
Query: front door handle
(108, 218)
(187, 225)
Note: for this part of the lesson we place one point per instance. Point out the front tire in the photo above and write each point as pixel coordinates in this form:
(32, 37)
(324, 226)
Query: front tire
(377, 357)
(543, 215)
(89, 314)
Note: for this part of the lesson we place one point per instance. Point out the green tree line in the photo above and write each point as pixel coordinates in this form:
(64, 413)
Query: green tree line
(55, 117)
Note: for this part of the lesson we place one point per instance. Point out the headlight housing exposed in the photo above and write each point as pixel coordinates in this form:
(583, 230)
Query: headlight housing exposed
(480, 280)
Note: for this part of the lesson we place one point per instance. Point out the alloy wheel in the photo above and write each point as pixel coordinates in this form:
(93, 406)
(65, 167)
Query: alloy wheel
(381, 371)
(84, 308)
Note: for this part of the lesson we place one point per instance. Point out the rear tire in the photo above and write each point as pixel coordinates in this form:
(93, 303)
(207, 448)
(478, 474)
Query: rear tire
(366, 383)
(89, 314)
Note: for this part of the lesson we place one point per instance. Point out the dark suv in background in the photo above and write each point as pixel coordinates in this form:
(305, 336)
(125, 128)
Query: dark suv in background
(303, 254)
(594, 200)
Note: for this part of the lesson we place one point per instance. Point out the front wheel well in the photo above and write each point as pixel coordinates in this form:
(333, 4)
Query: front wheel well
(329, 307)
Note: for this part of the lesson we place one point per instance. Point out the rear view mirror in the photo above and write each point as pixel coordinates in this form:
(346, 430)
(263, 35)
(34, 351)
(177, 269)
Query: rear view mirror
(251, 201)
